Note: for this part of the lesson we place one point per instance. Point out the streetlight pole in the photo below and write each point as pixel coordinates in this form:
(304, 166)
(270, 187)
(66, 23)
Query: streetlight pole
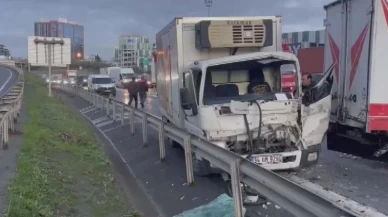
(208, 4)
(49, 43)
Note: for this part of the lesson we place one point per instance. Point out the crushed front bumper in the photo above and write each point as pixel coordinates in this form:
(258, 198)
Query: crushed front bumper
(291, 160)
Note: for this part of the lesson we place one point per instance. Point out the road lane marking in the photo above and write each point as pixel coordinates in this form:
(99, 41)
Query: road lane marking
(9, 78)
(113, 128)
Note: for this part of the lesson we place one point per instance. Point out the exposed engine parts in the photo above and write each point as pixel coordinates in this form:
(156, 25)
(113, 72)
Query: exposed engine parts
(281, 139)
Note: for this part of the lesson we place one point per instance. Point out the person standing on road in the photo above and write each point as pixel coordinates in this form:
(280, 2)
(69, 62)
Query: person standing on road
(133, 89)
(143, 89)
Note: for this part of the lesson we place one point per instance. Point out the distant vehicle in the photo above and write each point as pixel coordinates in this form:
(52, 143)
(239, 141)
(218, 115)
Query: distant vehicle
(102, 84)
(57, 79)
(122, 76)
(82, 81)
(69, 77)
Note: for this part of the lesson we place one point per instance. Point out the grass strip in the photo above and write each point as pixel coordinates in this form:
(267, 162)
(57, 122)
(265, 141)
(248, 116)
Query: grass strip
(61, 169)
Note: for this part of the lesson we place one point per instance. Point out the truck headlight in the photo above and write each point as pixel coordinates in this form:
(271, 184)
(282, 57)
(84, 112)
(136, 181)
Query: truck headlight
(148, 82)
(85, 80)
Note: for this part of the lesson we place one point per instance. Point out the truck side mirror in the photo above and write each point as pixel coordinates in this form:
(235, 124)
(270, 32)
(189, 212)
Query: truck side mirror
(187, 103)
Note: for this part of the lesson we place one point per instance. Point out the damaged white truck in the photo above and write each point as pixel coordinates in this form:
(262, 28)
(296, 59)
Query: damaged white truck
(220, 79)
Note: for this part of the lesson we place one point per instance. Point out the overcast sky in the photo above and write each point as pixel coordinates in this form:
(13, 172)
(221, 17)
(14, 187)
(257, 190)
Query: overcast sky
(105, 20)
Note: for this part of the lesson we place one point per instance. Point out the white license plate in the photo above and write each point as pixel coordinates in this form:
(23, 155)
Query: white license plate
(106, 91)
(267, 159)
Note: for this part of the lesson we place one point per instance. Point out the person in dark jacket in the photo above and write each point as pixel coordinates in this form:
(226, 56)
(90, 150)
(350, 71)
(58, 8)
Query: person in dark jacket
(133, 89)
(143, 89)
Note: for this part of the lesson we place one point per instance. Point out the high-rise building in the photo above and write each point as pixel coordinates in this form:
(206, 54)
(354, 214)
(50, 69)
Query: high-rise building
(4, 51)
(64, 29)
(134, 51)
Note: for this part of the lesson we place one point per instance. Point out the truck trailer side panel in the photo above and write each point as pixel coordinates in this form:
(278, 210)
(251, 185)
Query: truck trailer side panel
(355, 87)
(164, 67)
(352, 46)
(378, 79)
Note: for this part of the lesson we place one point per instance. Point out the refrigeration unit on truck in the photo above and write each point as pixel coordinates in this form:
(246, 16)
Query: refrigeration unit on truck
(220, 79)
(356, 42)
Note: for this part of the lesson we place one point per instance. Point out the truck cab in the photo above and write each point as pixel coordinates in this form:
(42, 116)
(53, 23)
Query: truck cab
(238, 104)
(227, 88)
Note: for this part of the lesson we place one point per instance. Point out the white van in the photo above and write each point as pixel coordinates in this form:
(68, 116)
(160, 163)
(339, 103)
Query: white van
(102, 84)
(122, 77)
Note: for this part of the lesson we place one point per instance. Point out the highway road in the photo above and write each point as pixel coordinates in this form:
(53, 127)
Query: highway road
(7, 79)
(359, 179)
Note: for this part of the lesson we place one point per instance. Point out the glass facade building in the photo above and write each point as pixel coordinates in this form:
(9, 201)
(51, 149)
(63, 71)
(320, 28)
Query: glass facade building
(64, 29)
(134, 51)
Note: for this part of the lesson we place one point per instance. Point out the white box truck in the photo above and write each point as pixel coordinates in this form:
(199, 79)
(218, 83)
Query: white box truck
(121, 76)
(220, 79)
(356, 36)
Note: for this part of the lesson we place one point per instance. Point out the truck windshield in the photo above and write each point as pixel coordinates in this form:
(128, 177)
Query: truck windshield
(242, 81)
(102, 81)
(128, 75)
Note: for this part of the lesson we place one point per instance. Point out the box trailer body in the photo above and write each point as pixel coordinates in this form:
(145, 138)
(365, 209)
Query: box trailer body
(177, 43)
(356, 34)
(212, 63)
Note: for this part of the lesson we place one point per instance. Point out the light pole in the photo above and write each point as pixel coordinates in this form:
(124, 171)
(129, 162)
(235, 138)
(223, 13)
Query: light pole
(49, 43)
(208, 4)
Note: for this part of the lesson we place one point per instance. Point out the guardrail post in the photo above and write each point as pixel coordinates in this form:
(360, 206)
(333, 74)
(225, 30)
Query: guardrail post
(162, 147)
(114, 110)
(94, 99)
(189, 160)
(145, 130)
(11, 121)
(107, 107)
(132, 121)
(122, 113)
(236, 187)
(5, 134)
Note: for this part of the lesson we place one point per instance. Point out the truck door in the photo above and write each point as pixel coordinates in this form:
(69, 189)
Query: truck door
(316, 104)
(191, 81)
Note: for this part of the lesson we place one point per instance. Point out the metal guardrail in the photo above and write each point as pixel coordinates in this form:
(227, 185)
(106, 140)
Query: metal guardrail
(10, 105)
(288, 195)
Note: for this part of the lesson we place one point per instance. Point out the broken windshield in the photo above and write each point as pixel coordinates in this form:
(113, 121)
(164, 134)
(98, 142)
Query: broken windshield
(243, 81)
